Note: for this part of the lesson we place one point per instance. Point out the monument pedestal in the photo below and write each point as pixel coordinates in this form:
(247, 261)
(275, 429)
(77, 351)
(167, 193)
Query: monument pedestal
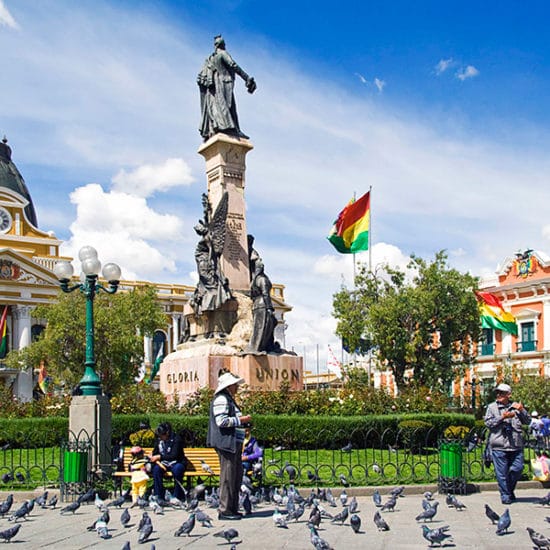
(90, 422)
(187, 370)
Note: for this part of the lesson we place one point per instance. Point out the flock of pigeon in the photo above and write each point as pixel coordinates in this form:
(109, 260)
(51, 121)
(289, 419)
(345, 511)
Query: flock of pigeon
(290, 508)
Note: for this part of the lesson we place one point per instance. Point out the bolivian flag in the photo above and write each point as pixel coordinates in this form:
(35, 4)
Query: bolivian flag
(350, 232)
(3, 332)
(493, 314)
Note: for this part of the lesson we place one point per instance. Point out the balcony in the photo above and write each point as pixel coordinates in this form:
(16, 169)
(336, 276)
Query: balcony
(486, 349)
(527, 345)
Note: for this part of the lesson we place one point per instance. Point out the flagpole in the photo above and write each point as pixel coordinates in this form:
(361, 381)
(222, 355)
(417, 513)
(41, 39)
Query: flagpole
(370, 229)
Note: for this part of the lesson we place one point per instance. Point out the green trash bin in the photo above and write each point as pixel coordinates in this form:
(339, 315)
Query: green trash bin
(75, 466)
(450, 459)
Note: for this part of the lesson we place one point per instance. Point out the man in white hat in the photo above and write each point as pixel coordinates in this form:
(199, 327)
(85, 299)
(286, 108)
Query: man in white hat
(226, 435)
(504, 420)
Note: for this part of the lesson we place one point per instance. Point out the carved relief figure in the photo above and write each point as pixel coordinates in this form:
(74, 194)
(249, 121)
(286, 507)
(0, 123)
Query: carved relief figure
(212, 290)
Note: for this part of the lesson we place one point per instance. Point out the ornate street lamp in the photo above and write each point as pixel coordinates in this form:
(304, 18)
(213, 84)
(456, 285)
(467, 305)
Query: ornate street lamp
(90, 266)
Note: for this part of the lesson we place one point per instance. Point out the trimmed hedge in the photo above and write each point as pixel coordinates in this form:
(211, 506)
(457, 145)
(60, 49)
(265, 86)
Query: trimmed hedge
(293, 432)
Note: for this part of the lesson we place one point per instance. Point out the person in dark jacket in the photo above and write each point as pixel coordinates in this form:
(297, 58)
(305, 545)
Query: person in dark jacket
(167, 456)
(504, 419)
(226, 435)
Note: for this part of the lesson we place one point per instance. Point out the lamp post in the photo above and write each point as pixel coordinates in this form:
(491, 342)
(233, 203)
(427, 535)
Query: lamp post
(90, 383)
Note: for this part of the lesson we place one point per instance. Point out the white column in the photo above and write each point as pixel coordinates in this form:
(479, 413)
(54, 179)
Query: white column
(175, 333)
(147, 349)
(545, 319)
(21, 329)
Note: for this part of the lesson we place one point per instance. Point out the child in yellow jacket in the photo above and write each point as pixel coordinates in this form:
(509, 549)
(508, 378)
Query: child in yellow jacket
(138, 470)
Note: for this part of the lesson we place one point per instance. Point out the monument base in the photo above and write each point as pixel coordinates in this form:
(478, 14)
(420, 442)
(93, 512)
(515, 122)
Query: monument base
(185, 371)
(90, 423)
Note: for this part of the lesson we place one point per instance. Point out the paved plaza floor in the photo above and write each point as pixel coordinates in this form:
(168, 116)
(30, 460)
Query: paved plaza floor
(470, 528)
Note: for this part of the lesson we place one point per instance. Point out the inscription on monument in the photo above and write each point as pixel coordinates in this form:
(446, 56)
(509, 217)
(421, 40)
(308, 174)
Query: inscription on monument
(234, 235)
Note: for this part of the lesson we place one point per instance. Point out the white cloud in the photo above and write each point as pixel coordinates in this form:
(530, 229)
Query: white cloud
(6, 17)
(469, 72)
(122, 226)
(146, 179)
(443, 65)
(380, 84)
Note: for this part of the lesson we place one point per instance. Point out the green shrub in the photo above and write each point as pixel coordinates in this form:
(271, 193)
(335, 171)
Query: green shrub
(143, 438)
(456, 432)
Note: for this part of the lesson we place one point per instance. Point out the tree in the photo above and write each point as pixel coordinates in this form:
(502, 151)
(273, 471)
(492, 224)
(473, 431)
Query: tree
(120, 322)
(428, 322)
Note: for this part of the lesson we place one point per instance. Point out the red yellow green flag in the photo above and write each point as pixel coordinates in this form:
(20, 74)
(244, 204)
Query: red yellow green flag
(493, 314)
(43, 379)
(3, 332)
(350, 232)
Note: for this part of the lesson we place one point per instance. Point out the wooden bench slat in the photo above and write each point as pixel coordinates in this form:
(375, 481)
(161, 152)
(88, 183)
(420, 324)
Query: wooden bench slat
(194, 455)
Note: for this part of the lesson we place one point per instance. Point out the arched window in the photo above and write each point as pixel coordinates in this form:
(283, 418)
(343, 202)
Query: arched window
(159, 343)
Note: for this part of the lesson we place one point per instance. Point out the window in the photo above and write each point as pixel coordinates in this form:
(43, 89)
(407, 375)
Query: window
(487, 342)
(527, 333)
(159, 341)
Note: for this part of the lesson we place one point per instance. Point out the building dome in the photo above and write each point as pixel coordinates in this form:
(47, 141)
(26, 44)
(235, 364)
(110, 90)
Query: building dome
(10, 178)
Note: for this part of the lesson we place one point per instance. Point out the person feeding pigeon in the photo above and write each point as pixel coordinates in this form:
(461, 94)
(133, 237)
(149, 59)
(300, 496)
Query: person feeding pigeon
(137, 468)
(226, 434)
(504, 419)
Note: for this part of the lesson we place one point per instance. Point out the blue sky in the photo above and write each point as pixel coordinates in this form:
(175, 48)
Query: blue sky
(442, 107)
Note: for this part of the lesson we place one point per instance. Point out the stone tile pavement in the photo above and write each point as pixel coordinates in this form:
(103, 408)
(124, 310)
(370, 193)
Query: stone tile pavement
(48, 529)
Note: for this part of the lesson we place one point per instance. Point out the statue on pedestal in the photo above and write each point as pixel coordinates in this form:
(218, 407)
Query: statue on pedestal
(212, 290)
(216, 82)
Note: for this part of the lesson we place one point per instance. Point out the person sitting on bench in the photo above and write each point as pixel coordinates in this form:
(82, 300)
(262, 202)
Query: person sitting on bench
(168, 456)
(252, 453)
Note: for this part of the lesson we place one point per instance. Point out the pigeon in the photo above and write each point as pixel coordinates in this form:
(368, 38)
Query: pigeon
(389, 504)
(20, 477)
(317, 541)
(538, 539)
(125, 517)
(347, 448)
(145, 532)
(353, 505)
(380, 522)
(227, 534)
(126, 546)
(457, 504)
(428, 495)
(52, 503)
(504, 522)
(100, 504)
(42, 499)
(21, 512)
(392, 449)
(491, 514)
(296, 514)
(343, 497)
(144, 520)
(247, 505)
(545, 501)
(315, 517)
(204, 519)
(344, 481)
(72, 507)
(376, 469)
(102, 530)
(341, 517)
(8, 534)
(436, 535)
(376, 498)
(449, 500)
(30, 506)
(206, 468)
(279, 520)
(118, 502)
(87, 497)
(355, 522)
(5, 447)
(278, 448)
(428, 514)
(313, 477)
(397, 491)
(6, 505)
(291, 471)
(6, 478)
(330, 498)
(187, 526)
(426, 504)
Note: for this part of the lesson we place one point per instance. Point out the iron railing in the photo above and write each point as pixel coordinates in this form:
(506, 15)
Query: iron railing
(406, 456)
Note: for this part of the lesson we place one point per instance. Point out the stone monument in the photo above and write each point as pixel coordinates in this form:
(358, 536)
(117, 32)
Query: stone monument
(229, 322)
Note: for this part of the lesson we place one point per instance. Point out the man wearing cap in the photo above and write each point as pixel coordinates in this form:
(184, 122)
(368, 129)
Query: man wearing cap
(226, 435)
(504, 420)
